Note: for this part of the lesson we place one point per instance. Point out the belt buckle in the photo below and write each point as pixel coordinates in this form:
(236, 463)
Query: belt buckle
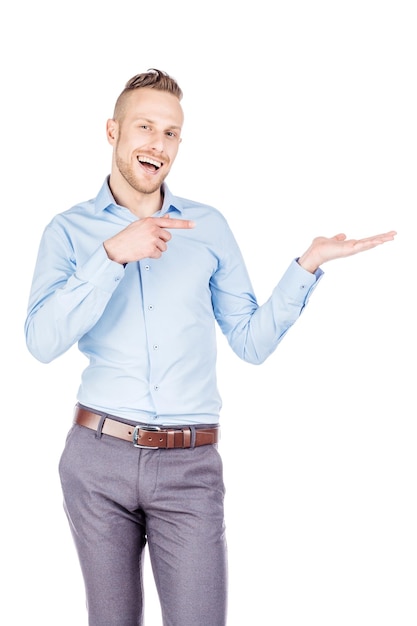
(135, 437)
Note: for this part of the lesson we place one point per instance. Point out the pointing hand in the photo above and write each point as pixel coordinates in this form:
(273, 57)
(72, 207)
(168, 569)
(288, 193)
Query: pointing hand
(144, 238)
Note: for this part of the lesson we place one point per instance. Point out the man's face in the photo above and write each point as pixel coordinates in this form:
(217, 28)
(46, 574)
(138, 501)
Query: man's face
(146, 139)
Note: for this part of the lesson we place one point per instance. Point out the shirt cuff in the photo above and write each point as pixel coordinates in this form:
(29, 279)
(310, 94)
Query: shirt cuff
(298, 283)
(101, 271)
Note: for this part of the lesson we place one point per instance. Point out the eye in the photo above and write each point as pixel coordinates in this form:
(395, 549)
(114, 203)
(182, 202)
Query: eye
(145, 127)
(171, 133)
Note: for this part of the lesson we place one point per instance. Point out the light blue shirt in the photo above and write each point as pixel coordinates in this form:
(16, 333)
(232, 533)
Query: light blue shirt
(148, 330)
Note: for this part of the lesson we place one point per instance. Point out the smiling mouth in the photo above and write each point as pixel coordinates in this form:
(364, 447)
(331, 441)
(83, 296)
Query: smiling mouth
(150, 164)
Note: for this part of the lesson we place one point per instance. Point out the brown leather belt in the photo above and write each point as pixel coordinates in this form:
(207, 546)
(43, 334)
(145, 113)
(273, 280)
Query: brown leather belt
(144, 436)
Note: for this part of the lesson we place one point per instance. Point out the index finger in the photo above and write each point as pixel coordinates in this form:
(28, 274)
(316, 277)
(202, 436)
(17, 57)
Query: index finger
(169, 222)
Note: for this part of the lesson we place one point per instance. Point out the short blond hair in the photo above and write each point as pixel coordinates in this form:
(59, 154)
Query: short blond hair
(153, 79)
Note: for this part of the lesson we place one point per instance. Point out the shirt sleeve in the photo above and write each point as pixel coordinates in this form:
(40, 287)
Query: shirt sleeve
(252, 330)
(66, 300)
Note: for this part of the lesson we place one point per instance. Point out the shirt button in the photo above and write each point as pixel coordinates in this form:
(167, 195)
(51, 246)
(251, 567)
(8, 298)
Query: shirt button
(150, 307)
(155, 346)
(147, 267)
(156, 387)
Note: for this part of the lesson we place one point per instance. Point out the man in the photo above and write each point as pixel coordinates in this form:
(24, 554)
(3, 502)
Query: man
(137, 277)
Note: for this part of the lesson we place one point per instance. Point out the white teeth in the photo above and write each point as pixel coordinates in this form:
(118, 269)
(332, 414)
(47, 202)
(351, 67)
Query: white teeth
(151, 161)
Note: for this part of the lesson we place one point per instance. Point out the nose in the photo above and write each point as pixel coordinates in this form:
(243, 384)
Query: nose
(158, 142)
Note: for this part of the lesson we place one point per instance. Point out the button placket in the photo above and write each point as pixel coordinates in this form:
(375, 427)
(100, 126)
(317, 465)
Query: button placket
(149, 309)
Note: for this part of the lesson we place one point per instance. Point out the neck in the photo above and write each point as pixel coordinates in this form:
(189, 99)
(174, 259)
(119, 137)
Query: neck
(139, 203)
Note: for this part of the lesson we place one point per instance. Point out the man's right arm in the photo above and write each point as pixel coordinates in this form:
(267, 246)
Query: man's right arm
(66, 299)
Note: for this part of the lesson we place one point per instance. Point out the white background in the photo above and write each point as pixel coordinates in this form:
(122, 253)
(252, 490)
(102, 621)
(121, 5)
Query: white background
(300, 121)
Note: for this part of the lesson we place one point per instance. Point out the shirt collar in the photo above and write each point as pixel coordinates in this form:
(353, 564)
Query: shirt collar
(104, 200)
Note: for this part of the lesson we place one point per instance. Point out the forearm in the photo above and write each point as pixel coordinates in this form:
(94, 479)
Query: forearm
(260, 329)
(57, 324)
(64, 306)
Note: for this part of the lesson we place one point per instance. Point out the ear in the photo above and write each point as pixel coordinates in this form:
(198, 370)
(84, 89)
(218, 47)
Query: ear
(111, 131)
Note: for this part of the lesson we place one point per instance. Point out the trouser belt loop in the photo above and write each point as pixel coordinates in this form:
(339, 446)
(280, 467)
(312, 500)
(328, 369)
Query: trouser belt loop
(192, 442)
(100, 425)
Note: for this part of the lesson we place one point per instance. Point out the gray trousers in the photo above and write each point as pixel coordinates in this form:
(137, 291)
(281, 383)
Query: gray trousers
(117, 499)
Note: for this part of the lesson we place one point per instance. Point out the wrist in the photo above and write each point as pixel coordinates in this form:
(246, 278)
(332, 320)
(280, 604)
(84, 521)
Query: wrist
(309, 262)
